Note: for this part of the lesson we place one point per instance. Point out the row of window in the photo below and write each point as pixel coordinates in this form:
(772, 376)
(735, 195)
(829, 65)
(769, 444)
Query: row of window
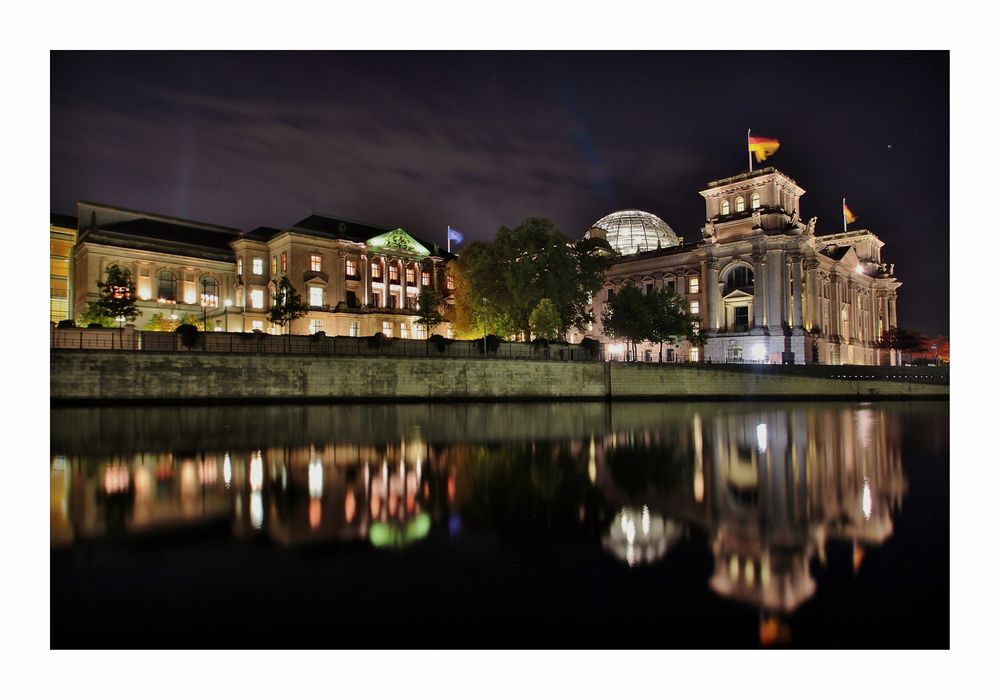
(350, 268)
(740, 204)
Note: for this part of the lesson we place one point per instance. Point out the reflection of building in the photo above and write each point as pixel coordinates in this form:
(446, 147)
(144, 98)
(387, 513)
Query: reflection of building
(766, 286)
(356, 279)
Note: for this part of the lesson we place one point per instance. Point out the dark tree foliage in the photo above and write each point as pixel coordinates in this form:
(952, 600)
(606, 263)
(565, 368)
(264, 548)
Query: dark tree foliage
(115, 298)
(188, 333)
(286, 305)
(661, 316)
(429, 310)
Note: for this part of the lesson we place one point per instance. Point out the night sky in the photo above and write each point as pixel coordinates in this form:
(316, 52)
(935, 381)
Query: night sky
(480, 140)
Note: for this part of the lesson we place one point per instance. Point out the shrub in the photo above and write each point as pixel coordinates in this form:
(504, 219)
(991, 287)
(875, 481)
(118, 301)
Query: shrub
(67, 323)
(591, 345)
(492, 343)
(375, 342)
(318, 335)
(439, 342)
(188, 333)
(96, 325)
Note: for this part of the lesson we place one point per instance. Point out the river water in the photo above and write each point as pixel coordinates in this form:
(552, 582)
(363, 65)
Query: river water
(626, 525)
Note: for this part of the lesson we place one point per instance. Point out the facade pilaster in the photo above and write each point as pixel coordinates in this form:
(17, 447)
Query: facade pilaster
(835, 308)
(892, 310)
(759, 291)
(711, 277)
(777, 289)
(814, 315)
(795, 261)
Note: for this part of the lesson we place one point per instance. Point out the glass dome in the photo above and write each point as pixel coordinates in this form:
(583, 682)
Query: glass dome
(633, 231)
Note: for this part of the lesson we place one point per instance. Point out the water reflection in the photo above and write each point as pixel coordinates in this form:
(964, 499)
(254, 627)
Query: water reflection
(767, 486)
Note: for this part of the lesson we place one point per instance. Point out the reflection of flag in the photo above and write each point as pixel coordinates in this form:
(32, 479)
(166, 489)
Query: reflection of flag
(762, 146)
(848, 214)
(454, 235)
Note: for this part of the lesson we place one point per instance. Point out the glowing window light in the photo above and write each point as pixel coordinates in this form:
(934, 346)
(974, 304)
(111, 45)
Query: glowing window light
(645, 520)
(762, 438)
(866, 500)
(350, 506)
(315, 513)
(256, 510)
(227, 470)
(315, 478)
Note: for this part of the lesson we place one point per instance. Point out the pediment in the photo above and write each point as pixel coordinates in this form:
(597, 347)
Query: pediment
(737, 295)
(397, 240)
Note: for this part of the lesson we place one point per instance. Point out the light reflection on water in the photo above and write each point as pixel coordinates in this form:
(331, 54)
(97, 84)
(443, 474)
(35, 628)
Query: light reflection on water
(768, 485)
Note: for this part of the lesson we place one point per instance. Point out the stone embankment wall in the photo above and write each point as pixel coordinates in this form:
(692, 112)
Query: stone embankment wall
(101, 376)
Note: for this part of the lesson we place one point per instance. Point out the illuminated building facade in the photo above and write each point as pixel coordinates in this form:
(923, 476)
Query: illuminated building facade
(766, 287)
(62, 238)
(357, 280)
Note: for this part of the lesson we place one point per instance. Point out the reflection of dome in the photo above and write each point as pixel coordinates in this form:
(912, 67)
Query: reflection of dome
(632, 231)
(639, 537)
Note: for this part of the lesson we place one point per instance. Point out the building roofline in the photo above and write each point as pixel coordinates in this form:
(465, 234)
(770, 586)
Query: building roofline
(161, 217)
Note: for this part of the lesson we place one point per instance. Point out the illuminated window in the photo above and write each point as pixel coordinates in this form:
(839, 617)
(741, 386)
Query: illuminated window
(352, 268)
(257, 299)
(387, 328)
(741, 318)
(274, 264)
(754, 203)
(352, 330)
(316, 262)
(410, 276)
(257, 325)
(376, 271)
(695, 308)
(166, 288)
(741, 203)
(239, 266)
(738, 278)
(403, 331)
(315, 326)
(394, 274)
(145, 291)
(284, 262)
(258, 266)
(425, 279)
(724, 207)
(693, 285)
(315, 296)
(209, 292)
(450, 282)
(694, 354)
(734, 353)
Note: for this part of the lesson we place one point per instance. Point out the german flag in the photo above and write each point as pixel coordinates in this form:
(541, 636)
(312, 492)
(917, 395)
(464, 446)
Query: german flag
(848, 214)
(762, 146)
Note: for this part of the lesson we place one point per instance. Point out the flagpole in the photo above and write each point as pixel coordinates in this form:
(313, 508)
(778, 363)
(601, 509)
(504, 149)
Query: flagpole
(749, 154)
(843, 210)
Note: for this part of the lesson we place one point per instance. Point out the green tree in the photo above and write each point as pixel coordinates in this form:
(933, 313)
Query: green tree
(286, 305)
(115, 299)
(545, 321)
(429, 310)
(670, 320)
(162, 322)
(903, 340)
(627, 317)
(481, 296)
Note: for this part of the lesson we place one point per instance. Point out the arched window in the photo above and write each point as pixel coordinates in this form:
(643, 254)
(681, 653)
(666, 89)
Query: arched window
(755, 201)
(166, 287)
(741, 203)
(209, 292)
(724, 207)
(740, 277)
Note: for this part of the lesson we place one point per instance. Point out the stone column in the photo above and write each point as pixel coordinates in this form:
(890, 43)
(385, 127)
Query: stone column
(711, 268)
(759, 290)
(796, 264)
(852, 313)
(777, 290)
(366, 278)
(339, 279)
(892, 309)
(814, 313)
(835, 303)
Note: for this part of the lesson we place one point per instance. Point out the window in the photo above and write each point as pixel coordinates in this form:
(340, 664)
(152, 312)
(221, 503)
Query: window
(239, 266)
(755, 201)
(256, 325)
(724, 207)
(739, 277)
(387, 328)
(352, 268)
(611, 295)
(274, 264)
(450, 282)
(257, 299)
(403, 332)
(410, 276)
(144, 287)
(352, 299)
(694, 354)
(166, 288)
(741, 203)
(649, 288)
(316, 262)
(420, 333)
(209, 292)
(258, 266)
(284, 262)
(695, 308)
(672, 285)
(376, 271)
(315, 326)
(693, 285)
(741, 318)
(425, 279)
(315, 296)
(734, 353)
(352, 330)
(394, 274)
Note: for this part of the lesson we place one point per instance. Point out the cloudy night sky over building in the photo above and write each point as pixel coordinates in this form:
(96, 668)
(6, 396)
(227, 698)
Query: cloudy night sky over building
(482, 140)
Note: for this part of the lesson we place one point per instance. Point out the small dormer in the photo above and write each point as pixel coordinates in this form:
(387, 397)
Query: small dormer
(767, 190)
